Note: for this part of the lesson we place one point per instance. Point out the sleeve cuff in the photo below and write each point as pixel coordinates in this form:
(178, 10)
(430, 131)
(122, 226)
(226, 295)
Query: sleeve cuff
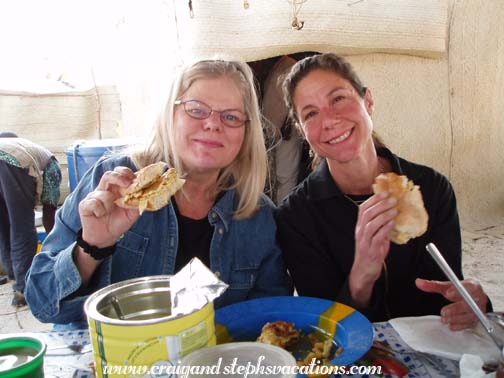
(373, 310)
(69, 280)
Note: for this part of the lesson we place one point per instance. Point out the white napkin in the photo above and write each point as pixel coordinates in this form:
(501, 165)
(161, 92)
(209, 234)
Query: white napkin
(470, 367)
(427, 334)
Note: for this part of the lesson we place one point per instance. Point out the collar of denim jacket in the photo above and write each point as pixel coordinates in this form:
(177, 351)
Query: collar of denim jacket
(223, 209)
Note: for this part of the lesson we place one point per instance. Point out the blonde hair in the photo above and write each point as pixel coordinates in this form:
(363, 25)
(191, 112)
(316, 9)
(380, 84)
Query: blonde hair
(247, 173)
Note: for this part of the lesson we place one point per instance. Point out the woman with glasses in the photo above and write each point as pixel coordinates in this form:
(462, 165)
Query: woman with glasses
(334, 231)
(210, 131)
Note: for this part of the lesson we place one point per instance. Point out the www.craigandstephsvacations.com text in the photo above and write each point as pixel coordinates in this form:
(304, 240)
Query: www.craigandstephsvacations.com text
(166, 370)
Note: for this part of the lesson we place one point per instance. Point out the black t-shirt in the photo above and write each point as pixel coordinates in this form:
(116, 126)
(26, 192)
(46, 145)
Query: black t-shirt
(194, 237)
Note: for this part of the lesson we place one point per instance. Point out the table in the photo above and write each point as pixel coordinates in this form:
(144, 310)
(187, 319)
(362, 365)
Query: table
(65, 363)
(419, 364)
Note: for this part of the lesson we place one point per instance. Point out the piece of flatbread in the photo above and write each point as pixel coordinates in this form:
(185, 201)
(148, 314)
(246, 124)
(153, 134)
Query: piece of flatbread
(412, 218)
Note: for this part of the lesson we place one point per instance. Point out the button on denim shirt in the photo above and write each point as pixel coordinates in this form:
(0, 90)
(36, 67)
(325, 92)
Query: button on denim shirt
(243, 253)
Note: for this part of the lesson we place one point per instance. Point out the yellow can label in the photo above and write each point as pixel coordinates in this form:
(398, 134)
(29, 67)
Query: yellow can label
(140, 347)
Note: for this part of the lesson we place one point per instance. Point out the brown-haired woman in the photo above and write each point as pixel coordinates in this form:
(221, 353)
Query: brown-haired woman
(334, 231)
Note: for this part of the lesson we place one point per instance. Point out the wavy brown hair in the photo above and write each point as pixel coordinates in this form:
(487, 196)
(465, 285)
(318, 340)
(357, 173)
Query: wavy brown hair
(327, 62)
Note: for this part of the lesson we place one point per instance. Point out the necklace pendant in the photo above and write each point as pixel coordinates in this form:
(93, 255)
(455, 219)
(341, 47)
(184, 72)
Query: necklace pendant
(296, 24)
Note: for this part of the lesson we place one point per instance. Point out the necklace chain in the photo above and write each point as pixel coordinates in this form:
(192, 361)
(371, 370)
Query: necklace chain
(355, 202)
(380, 168)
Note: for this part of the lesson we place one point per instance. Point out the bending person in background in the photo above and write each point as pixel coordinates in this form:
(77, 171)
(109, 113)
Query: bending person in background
(210, 131)
(334, 231)
(289, 158)
(29, 174)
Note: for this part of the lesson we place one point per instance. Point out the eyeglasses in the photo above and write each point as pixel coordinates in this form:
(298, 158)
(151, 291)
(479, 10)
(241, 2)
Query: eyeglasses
(199, 110)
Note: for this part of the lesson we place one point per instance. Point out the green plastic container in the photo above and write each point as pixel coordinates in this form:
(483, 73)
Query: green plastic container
(18, 348)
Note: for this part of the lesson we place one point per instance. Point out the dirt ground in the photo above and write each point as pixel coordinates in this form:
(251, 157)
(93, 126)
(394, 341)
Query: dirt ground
(483, 260)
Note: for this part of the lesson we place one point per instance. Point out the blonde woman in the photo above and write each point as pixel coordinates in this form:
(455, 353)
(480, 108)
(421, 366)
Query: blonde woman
(210, 131)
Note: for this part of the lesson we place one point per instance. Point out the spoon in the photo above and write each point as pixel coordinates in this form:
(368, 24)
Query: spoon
(439, 259)
(76, 348)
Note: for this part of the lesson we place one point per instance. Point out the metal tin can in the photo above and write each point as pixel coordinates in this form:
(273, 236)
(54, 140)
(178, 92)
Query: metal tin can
(132, 329)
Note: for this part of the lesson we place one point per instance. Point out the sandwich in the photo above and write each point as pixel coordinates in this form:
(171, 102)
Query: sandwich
(151, 189)
(411, 219)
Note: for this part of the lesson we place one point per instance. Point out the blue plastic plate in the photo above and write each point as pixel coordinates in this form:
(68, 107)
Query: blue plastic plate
(243, 322)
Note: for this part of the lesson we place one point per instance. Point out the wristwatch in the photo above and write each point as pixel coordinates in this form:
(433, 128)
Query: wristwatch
(95, 252)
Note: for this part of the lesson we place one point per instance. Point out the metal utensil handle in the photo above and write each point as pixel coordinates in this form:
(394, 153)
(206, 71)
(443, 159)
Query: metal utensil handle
(436, 255)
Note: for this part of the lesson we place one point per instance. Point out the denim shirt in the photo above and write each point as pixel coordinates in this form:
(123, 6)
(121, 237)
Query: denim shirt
(243, 253)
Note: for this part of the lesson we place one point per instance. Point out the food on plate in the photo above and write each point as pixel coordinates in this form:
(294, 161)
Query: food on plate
(321, 351)
(411, 220)
(279, 333)
(316, 345)
(151, 189)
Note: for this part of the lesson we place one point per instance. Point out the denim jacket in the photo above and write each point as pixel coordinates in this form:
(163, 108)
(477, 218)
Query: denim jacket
(243, 253)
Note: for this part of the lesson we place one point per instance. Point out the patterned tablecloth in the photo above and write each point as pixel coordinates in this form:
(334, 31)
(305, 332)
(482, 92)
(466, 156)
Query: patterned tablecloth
(419, 364)
(66, 363)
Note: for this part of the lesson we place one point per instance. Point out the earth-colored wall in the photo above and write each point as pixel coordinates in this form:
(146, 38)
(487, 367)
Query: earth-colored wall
(449, 113)
(436, 69)
(476, 79)
(438, 106)
(58, 120)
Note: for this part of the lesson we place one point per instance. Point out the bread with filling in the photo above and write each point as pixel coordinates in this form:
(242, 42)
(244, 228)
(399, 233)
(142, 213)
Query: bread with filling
(151, 189)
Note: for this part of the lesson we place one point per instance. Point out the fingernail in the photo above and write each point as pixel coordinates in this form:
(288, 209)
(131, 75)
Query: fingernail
(392, 201)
